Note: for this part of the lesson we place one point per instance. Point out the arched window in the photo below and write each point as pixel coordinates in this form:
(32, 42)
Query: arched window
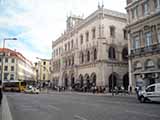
(112, 53)
(66, 63)
(72, 60)
(88, 56)
(149, 64)
(69, 60)
(112, 31)
(137, 65)
(95, 54)
(82, 57)
(125, 54)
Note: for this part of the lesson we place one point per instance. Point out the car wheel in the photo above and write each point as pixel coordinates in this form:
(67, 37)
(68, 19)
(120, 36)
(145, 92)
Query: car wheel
(142, 99)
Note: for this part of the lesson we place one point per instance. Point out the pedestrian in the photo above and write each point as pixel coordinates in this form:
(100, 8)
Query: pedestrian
(1, 94)
(130, 89)
(116, 90)
(123, 91)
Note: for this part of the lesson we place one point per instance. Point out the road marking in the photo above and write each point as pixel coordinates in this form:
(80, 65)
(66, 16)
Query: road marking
(80, 117)
(142, 113)
(54, 107)
(6, 113)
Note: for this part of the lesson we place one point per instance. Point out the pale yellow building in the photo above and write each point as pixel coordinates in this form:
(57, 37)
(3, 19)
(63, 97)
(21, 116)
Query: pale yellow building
(42, 70)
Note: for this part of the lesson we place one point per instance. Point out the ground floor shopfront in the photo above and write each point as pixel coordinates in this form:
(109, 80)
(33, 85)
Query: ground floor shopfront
(146, 68)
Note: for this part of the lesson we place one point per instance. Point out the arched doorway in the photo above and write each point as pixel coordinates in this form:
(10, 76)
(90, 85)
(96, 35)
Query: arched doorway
(86, 79)
(65, 81)
(87, 82)
(81, 80)
(125, 54)
(72, 80)
(114, 77)
(93, 79)
(125, 81)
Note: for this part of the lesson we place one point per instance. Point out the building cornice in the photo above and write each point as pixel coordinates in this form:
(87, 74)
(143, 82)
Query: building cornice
(143, 20)
(16, 54)
(90, 18)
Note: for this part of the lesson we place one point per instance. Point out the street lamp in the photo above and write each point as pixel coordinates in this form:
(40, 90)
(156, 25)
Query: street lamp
(3, 55)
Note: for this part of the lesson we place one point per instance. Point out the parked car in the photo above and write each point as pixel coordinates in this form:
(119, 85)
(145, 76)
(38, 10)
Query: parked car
(32, 90)
(151, 93)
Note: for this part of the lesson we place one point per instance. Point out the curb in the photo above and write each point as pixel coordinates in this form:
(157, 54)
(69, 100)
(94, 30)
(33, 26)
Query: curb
(6, 113)
(91, 94)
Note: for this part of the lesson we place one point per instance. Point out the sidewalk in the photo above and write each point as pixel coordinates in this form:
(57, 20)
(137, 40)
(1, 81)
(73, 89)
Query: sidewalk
(4, 110)
(91, 94)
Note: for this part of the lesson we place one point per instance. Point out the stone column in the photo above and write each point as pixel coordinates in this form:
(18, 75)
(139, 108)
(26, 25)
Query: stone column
(130, 60)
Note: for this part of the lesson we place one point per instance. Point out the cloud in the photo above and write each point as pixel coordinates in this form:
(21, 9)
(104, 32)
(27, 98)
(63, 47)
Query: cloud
(36, 23)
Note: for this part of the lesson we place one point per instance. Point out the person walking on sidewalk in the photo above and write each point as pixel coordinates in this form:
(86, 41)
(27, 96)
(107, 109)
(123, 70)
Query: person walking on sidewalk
(1, 95)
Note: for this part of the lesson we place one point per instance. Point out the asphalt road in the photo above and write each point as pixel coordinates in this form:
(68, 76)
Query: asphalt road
(64, 106)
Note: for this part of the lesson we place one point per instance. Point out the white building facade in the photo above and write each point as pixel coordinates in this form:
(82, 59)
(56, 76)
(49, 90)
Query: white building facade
(15, 66)
(92, 52)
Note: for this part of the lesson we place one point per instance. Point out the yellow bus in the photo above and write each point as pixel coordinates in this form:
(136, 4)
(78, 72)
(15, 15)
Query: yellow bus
(14, 86)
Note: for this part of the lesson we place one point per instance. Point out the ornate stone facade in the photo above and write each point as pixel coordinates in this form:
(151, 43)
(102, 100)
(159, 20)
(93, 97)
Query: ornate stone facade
(144, 40)
(83, 57)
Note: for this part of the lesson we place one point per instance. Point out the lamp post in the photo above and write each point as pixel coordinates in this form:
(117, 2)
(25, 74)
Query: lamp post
(3, 55)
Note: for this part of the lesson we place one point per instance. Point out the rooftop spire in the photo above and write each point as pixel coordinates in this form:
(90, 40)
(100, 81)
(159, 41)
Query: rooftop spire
(101, 5)
(98, 5)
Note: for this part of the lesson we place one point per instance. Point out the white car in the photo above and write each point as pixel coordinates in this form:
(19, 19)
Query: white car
(151, 93)
(32, 90)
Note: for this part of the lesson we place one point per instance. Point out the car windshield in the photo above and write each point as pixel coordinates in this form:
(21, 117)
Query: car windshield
(79, 59)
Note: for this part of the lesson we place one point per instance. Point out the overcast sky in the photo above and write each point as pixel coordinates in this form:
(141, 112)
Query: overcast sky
(36, 23)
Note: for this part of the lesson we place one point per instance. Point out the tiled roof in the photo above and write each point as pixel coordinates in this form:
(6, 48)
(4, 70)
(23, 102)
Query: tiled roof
(15, 54)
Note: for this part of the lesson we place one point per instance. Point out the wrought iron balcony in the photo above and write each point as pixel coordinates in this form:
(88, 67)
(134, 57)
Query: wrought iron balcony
(145, 50)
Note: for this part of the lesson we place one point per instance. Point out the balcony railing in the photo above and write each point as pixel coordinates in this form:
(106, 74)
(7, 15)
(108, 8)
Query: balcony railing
(144, 50)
